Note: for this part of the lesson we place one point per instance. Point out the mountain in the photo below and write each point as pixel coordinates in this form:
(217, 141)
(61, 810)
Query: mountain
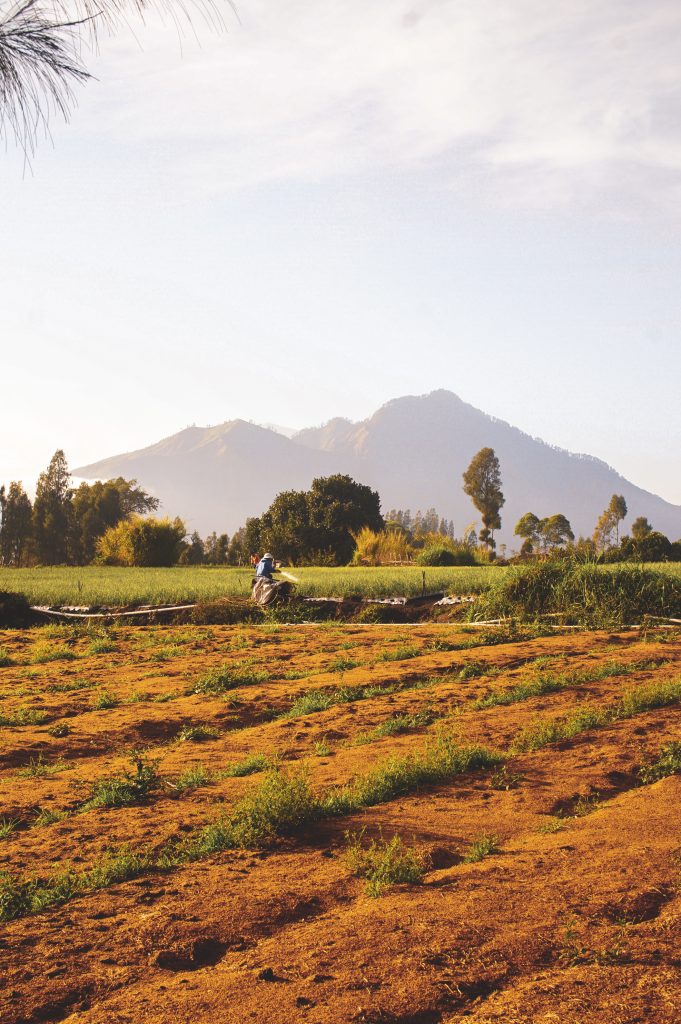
(413, 451)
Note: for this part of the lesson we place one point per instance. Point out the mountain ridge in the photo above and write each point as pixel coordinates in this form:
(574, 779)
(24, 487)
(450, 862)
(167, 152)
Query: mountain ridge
(412, 450)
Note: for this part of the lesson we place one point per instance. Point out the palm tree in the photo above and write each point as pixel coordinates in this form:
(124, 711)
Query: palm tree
(41, 48)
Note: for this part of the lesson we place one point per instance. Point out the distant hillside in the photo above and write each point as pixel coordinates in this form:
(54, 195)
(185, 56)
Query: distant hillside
(413, 451)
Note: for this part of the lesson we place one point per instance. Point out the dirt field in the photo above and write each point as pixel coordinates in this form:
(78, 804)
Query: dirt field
(574, 914)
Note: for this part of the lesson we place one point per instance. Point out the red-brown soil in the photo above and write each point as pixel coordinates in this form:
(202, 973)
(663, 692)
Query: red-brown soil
(581, 924)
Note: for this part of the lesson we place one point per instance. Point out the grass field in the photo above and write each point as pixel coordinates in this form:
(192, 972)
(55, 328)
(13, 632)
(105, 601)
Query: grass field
(331, 824)
(94, 585)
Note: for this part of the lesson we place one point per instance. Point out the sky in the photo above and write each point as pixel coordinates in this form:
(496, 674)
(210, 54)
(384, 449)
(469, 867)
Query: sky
(322, 206)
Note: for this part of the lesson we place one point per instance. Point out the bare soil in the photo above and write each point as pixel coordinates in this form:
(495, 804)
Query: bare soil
(576, 919)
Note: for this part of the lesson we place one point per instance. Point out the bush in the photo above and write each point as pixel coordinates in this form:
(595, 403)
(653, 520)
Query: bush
(15, 611)
(586, 595)
(441, 555)
(142, 542)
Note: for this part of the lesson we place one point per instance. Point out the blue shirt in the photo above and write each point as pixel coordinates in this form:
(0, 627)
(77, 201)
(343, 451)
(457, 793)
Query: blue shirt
(265, 567)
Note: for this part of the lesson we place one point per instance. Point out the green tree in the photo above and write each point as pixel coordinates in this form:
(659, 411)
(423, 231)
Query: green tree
(285, 527)
(51, 512)
(654, 547)
(338, 508)
(317, 526)
(556, 531)
(482, 484)
(640, 528)
(216, 548)
(194, 552)
(529, 528)
(609, 522)
(98, 506)
(245, 542)
(15, 525)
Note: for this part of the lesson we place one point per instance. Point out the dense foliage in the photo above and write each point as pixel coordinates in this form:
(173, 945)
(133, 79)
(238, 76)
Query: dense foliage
(315, 526)
(63, 525)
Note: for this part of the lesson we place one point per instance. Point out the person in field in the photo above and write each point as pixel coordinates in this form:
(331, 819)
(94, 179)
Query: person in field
(266, 566)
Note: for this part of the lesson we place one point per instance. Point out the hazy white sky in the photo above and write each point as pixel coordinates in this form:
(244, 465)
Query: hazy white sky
(332, 204)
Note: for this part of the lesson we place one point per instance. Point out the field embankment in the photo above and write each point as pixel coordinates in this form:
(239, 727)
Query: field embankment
(198, 825)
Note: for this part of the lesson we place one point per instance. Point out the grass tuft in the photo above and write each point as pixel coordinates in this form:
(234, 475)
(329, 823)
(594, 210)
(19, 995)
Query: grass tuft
(124, 790)
(220, 680)
(667, 763)
(8, 827)
(383, 862)
(197, 733)
(485, 846)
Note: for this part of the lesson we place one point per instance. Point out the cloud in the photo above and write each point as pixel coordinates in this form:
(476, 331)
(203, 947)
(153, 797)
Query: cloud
(536, 103)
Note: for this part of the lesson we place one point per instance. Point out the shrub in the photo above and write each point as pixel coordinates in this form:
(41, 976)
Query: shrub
(380, 547)
(142, 542)
(23, 716)
(104, 701)
(8, 827)
(15, 611)
(282, 804)
(44, 652)
(383, 862)
(226, 612)
(101, 646)
(396, 725)
(440, 555)
(192, 778)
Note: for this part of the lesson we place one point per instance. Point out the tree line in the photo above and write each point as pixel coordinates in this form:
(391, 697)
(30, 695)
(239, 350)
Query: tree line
(335, 521)
(543, 536)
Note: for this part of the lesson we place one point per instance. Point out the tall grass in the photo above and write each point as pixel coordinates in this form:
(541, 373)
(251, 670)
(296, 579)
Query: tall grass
(592, 596)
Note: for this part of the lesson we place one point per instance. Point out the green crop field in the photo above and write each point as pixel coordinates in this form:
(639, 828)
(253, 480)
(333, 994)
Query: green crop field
(100, 585)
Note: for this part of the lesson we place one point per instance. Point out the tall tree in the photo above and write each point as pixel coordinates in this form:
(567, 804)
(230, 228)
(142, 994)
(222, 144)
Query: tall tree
(556, 531)
(51, 510)
(338, 507)
(98, 506)
(529, 528)
(609, 522)
(482, 484)
(15, 524)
